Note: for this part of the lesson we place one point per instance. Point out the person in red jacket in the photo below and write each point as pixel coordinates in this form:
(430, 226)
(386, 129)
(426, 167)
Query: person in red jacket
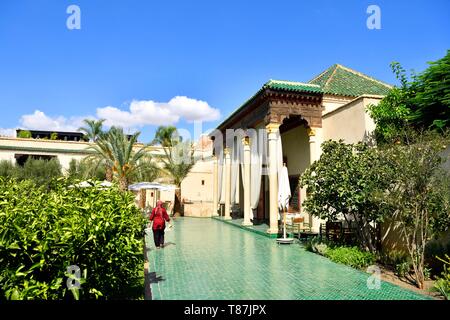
(159, 217)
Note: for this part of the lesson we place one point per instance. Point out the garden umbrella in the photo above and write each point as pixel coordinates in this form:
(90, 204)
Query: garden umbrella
(90, 183)
(284, 194)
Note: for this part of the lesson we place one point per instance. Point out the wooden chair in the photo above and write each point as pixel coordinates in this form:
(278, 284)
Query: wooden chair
(295, 225)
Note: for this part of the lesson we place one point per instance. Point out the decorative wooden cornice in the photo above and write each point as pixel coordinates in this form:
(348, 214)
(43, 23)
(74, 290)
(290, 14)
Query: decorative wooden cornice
(273, 106)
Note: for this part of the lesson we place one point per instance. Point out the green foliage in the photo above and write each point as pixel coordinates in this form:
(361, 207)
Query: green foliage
(431, 102)
(418, 195)
(436, 248)
(93, 129)
(7, 169)
(351, 256)
(85, 170)
(421, 102)
(178, 161)
(148, 171)
(394, 257)
(316, 245)
(114, 150)
(54, 136)
(25, 134)
(402, 269)
(442, 284)
(40, 171)
(341, 184)
(42, 232)
(166, 136)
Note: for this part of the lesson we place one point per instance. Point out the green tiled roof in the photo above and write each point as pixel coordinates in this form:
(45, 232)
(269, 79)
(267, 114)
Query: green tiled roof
(340, 80)
(337, 80)
(292, 86)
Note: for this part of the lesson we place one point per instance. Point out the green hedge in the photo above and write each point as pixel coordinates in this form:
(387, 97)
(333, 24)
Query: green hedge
(351, 256)
(43, 232)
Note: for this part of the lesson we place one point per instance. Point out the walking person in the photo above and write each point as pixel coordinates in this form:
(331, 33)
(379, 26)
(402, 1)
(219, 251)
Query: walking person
(159, 217)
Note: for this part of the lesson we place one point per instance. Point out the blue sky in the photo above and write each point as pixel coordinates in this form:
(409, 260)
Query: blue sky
(175, 61)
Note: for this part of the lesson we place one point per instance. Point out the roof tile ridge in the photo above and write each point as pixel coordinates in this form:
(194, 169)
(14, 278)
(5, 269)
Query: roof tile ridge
(322, 73)
(363, 75)
(332, 75)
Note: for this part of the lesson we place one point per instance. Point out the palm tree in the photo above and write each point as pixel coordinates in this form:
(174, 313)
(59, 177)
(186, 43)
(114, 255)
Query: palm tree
(178, 160)
(166, 136)
(115, 150)
(93, 129)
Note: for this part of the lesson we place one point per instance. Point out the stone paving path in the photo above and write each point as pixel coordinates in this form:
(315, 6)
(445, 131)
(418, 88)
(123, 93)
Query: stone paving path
(205, 259)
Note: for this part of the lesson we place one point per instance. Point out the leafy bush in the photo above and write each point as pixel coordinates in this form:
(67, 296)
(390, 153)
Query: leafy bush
(43, 232)
(7, 169)
(39, 170)
(434, 249)
(25, 134)
(341, 184)
(442, 284)
(317, 245)
(86, 169)
(351, 256)
(403, 268)
(394, 257)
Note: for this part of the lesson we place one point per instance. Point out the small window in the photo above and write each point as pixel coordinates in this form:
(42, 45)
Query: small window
(203, 182)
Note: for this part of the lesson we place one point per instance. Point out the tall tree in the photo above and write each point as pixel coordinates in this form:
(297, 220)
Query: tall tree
(166, 136)
(418, 197)
(93, 129)
(420, 102)
(178, 159)
(115, 150)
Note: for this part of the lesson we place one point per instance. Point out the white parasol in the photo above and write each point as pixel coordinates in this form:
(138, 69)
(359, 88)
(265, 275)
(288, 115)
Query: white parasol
(284, 194)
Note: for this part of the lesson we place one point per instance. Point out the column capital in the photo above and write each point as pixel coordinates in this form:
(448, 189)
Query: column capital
(226, 151)
(246, 141)
(272, 127)
(311, 131)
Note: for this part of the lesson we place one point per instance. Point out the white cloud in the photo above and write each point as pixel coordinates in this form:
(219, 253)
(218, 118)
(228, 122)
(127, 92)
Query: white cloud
(140, 113)
(148, 112)
(7, 132)
(40, 121)
(192, 109)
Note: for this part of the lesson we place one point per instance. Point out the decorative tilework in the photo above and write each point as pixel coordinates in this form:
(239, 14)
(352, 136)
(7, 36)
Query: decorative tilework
(205, 259)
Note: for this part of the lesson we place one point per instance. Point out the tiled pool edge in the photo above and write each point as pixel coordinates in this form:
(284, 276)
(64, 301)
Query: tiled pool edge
(247, 228)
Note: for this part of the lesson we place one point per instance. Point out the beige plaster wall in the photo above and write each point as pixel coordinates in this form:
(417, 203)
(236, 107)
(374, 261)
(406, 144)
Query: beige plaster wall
(332, 102)
(296, 148)
(350, 122)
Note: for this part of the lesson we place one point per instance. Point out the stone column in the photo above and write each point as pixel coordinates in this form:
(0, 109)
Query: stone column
(227, 213)
(215, 204)
(314, 154)
(247, 183)
(272, 131)
(312, 145)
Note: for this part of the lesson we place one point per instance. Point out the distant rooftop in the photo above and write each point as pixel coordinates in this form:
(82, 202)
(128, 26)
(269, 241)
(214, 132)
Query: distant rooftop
(52, 135)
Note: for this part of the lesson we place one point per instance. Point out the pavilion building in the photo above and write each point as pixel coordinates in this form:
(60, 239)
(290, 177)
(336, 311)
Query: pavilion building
(286, 122)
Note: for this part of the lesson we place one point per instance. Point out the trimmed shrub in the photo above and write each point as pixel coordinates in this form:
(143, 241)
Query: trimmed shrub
(44, 232)
(25, 134)
(39, 170)
(351, 256)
